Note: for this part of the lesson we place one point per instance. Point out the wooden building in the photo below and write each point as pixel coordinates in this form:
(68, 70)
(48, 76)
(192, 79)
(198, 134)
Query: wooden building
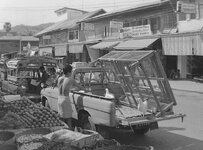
(67, 37)
(170, 26)
(17, 43)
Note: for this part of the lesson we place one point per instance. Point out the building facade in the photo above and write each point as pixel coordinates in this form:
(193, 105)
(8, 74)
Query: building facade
(17, 43)
(176, 23)
(66, 38)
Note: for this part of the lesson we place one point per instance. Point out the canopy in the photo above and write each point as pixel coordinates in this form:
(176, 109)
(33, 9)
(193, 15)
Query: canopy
(104, 45)
(125, 55)
(135, 44)
(61, 50)
(76, 48)
(183, 44)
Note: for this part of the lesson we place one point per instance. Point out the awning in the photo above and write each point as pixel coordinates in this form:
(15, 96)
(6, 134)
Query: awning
(61, 50)
(76, 48)
(135, 44)
(182, 44)
(93, 53)
(104, 45)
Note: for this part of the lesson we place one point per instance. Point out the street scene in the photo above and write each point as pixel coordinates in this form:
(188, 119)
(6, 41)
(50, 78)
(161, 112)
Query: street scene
(101, 75)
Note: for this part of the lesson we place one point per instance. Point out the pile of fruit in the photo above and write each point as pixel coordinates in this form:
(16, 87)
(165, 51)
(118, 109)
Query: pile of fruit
(33, 115)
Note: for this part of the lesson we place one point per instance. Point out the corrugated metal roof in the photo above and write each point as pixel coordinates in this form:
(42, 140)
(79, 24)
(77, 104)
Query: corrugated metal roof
(135, 44)
(181, 44)
(18, 38)
(125, 55)
(128, 9)
(69, 24)
(104, 45)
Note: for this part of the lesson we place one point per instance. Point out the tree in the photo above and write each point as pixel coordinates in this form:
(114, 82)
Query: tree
(7, 27)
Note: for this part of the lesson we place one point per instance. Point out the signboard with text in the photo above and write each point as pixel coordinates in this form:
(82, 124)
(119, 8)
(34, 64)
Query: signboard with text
(184, 7)
(116, 25)
(135, 31)
(87, 26)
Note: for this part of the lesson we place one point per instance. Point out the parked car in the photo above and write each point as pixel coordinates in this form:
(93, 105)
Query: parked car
(19, 75)
(123, 75)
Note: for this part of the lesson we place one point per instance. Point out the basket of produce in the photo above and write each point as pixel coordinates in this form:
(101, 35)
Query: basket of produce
(11, 121)
(8, 147)
(34, 115)
(7, 137)
(33, 135)
(31, 146)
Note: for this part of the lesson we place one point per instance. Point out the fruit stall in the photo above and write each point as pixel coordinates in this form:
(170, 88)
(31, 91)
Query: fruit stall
(25, 125)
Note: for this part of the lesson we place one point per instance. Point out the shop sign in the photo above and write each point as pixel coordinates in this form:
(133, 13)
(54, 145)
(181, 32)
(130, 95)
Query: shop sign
(46, 37)
(87, 26)
(116, 25)
(184, 7)
(135, 31)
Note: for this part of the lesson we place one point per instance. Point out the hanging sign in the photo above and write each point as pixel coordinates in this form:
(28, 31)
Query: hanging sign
(135, 31)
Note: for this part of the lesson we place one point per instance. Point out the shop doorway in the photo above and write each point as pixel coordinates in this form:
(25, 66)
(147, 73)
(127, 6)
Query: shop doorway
(171, 65)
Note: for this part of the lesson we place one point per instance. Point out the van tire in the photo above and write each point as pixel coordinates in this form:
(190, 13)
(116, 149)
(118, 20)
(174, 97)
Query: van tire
(88, 124)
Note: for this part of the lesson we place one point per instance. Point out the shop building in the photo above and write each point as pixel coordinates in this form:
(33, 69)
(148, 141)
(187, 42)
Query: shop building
(155, 25)
(66, 38)
(9, 44)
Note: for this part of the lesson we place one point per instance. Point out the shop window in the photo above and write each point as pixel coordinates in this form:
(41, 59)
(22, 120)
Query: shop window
(144, 21)
(126, 24)
(47, 41)
(170, 20)
(155, 24)
(106, 31)
(73, 35)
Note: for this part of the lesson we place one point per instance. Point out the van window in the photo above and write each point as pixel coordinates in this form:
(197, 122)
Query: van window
(90, 77)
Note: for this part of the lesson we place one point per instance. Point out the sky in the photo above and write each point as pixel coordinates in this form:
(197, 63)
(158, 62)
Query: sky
(35, 12)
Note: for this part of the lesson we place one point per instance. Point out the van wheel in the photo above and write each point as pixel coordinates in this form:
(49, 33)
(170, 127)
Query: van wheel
(88, 124)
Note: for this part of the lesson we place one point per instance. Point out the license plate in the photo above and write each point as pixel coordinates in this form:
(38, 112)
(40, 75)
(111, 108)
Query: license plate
(154, 125)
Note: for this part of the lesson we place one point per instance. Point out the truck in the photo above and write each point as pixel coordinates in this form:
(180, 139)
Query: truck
(18, 75)
(133, 78)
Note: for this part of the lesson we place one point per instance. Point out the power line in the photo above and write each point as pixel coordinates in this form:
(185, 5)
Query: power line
(107, 5)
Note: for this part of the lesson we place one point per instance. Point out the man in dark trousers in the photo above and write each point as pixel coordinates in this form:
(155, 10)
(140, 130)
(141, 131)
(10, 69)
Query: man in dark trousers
(42, 79)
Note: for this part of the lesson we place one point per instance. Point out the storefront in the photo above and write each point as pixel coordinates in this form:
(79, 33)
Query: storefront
(97, 50)
(184, 53)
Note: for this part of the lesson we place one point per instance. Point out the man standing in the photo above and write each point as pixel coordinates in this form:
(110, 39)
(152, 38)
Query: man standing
(44, 75)
(65, 83)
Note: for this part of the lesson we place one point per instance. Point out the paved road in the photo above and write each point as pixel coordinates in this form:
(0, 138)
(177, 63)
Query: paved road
(173, 134)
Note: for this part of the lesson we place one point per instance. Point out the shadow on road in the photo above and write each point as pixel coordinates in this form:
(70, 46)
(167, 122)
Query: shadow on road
(171, 129)
(161, 139)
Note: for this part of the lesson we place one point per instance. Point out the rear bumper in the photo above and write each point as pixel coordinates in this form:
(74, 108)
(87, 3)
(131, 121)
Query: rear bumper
(149, 120)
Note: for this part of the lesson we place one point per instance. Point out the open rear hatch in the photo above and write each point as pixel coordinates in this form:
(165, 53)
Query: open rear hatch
(141, 77)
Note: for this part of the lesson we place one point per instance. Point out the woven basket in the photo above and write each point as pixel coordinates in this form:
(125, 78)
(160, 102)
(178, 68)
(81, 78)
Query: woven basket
(8, 147)
(41, 131)
(31, 135)
(7, 137)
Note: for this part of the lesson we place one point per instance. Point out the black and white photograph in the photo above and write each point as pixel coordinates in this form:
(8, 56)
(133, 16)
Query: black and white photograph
(101, 74)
